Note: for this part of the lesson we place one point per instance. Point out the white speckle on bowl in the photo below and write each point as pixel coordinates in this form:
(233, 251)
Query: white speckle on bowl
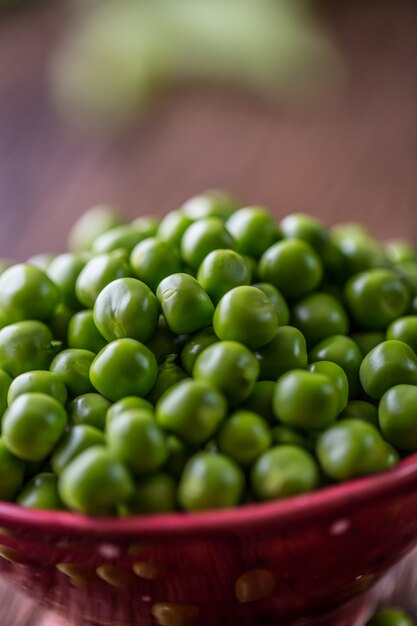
(339, 527)
(108, 550)
(359, 577)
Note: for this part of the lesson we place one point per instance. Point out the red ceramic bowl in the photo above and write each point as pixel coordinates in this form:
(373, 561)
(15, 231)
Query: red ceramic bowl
(310, 558)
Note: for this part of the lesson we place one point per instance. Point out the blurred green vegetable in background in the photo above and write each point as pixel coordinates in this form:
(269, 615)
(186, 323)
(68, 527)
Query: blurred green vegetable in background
(120, 54)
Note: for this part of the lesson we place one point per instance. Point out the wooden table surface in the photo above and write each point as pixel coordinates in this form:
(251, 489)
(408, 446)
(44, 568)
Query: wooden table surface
(352, 158)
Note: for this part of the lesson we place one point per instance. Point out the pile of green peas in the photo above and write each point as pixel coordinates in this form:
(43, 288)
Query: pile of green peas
(212, 358)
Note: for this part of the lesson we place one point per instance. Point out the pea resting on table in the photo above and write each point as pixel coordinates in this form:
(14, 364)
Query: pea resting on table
(212, 358)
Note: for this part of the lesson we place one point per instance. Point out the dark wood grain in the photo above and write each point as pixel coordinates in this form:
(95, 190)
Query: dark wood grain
(351, 158)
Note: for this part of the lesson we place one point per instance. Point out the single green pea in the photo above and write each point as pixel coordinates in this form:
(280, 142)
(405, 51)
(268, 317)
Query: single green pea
(25, 346)
(173, 227)
(12, 470)
(306, 228)
(41, 492)
(319, 316)
(376, 298)
(221, 271)
(400, 251)
(361, 410)
(154, 259)
(127, 404)
(185, 304)
(124, 237)
(169, 373)
(60, 320)
(212, 203)
(5, 382)
(154, 494)
(388, 364)
(178, 455)
(192, 410)
(83, 332)
(260, 400)
(305, 399)
(244, 437)
(32, 426)
(164, 342)
(135, 439)
(398, 417)
(147, 225)
(126, 307)
(253, 229)
(26, 293)
(343, 351)
(404, 329)
(91, 225)
(407, 270)
(391, 617)
(210, 481)
(287, 351)
(337, 375)
(97, 273)
(284, 471)
(41, 261)
(230, 367)
(360, 252)
(89, 409)
(282, 435)
(246, 315)
(72, 367)
(198, 342)
(278, 300)
(125, 367)
(64, 271)
(40, 382)
(76, 440)
(352, 448)
(95, 482)
(202, 237)
(292, 266)
(368, 340)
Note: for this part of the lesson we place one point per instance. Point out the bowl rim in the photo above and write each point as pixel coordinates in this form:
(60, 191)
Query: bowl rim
(338, 500)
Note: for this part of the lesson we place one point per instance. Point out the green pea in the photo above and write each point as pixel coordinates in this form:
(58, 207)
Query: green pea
(5, 382)
(360, 252)
(286, 351)
(147, 225)
(292, 266)
(41, 492)
(391, 617)
(376, 298)
(284, 471)
(260, 400)
(198, 342)
(91, 225)
(95, 482)
(25, 346)
(398, 417)
(230, 367)
(185, 304)
(173, 227)
(210, 481)
(278, 300)
(97, 273)
(60, 320)
(407, 270)
(201, 238)
(306, 228)
(245, 314)
(168, 375)
(154, 494)
(306, 400)
(282, 435)
(404, 329)
(244, 437)
(12, 471)
(33, 425)
(41, 261)
(136, 440)
(352, 448)
(83, 332)
(221, 271)
(126, 308)
(400, 251)
(319, 316)
(72, 367)
(127, 404)
(38, 381)
(361, 410)
(390, 363)
(124, 237)
(337, 375)
(212, 203)
(154, 259)
(26, 293)
(89, 409)
(64, 271)
(125, 367)
(192, 410)
(253, 229)
(76, 440)
(343, 351)
(178, 456)
(368, 340)
(164, 342)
